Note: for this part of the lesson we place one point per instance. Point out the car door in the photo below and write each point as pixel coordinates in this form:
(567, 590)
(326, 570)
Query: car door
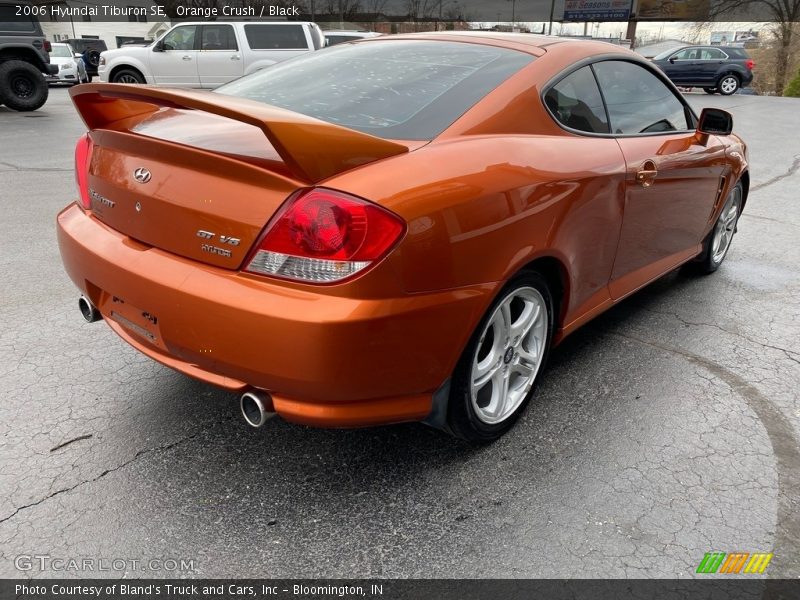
(218, 60)
(673, 175)
(173, 60)
(678, 66)
(711, 59)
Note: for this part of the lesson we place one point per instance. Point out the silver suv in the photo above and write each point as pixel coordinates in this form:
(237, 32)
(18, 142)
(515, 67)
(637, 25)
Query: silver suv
(206, 55)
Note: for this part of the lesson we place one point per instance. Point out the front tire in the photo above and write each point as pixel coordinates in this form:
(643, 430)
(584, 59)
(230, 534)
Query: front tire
(495, 377)
(127, 76)
(728, 84)
(22, 86)
(718, 241)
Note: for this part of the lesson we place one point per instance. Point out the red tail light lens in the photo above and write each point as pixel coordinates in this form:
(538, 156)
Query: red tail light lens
(750, 64)
(83, 156)
(324, 236)
(48, 47)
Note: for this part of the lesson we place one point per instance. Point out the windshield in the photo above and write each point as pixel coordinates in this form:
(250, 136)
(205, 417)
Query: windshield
(61, 51)
(400, 89)
(666, 54)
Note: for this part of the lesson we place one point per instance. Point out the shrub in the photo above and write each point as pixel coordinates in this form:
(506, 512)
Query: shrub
(793, 89)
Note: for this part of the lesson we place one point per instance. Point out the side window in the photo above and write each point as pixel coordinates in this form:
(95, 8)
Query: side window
(712, 54)
(686, 54)
(637, 100)
(180, 38)
(276, 37)
(576, 102)
(218, 37)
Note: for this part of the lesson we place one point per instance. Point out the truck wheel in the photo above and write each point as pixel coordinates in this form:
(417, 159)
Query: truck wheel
(127, 76)
(22, 86)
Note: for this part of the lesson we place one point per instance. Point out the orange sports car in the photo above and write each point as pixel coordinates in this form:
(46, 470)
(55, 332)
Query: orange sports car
(396, 229)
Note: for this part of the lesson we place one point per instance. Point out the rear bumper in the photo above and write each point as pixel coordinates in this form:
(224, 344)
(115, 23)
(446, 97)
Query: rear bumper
(326, 360)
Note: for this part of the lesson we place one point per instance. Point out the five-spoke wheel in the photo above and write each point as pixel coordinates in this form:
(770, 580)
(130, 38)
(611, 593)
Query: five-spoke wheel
(499, 367)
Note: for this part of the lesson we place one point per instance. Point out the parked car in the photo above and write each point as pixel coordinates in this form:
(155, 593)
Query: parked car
(333, 37)
(206, 55)
(722, 69)
(24, 57)
(396, 229)
(71, 68)
(90, 49)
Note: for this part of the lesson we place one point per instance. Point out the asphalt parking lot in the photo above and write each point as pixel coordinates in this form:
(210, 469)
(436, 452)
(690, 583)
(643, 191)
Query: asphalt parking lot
(665, 429)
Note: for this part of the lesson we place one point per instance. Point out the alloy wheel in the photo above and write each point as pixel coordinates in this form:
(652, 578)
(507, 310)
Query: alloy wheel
(509, 354)
(726, 227)
(729, 84)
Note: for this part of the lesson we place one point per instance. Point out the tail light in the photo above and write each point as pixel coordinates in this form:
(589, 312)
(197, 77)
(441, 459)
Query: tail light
(750, 64)
(83, 156)
(47, 46)
(324, 236)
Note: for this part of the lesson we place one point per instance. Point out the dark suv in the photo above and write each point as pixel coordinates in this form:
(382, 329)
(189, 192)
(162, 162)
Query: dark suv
(23, 57)
(720, 69)
(90, 48)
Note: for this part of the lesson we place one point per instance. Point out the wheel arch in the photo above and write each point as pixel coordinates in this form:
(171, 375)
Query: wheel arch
(22, 53)
(744, 179)
(555, 272)
(123, 66)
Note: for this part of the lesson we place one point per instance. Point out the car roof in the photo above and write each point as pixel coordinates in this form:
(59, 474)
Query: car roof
(531, 43)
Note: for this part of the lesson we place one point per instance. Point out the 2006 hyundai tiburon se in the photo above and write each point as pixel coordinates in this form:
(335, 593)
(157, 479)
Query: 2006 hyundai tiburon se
(395, 229)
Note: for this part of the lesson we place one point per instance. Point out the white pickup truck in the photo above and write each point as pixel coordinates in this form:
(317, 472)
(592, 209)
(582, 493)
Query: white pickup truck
(206, 55)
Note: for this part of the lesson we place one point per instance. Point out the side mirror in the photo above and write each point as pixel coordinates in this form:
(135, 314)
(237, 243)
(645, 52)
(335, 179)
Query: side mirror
(715, 121)
(76, 55)
(158, 47)
(672, 60)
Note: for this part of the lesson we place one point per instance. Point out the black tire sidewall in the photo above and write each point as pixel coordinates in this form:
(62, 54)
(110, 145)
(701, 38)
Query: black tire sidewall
(15, 68)
(707, 264)
(121, 72)
(461, 417)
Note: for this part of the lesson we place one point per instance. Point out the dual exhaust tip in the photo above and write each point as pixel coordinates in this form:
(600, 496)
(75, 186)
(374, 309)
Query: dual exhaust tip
(256, 406)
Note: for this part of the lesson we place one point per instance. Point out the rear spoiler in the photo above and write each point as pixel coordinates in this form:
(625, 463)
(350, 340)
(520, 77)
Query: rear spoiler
(313, 150)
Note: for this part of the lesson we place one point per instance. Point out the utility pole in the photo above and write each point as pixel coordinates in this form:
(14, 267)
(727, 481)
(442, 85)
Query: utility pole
(631, 32)
(552, 10)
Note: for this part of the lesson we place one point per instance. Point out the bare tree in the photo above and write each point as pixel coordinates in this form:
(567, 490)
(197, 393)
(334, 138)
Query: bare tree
(784, 14)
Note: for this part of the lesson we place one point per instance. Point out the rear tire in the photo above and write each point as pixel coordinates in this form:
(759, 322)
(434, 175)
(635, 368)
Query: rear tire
(718, 241)
(128, 76)
(22, 86)
(496, 375)
(728, 84)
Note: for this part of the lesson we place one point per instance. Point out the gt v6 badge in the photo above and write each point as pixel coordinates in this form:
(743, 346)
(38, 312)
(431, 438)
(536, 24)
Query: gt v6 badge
(224, 239)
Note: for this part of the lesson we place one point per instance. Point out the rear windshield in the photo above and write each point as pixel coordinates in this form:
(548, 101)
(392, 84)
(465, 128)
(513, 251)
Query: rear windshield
(400, 89)
(275, 37)
(11, 21)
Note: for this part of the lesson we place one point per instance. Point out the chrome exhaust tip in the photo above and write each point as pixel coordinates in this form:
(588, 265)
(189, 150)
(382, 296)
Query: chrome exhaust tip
(88, 310)
(256, 407)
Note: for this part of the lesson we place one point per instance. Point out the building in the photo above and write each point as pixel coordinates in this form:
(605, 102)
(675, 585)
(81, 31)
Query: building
(66, 19)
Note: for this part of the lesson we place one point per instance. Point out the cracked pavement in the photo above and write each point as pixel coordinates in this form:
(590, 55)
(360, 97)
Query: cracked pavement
(666, 428)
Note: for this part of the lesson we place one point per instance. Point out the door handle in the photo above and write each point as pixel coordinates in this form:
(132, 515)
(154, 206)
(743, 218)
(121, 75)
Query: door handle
(187, 57)
(236, 57)
(647, 173)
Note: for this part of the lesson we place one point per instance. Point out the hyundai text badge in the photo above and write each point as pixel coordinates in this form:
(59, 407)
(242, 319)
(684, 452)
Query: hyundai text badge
(141, 175)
